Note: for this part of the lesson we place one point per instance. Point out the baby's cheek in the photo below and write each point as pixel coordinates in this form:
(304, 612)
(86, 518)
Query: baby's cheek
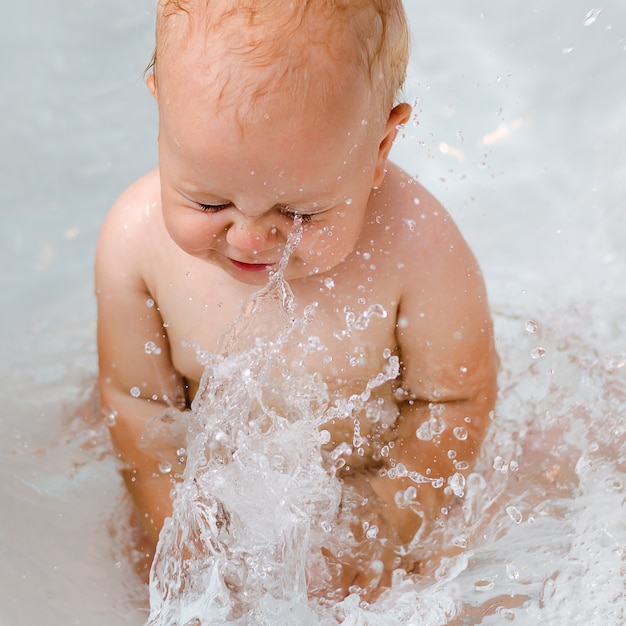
(321, 242)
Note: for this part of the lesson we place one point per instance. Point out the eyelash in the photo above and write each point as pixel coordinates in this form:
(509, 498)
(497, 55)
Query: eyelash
(214, 208)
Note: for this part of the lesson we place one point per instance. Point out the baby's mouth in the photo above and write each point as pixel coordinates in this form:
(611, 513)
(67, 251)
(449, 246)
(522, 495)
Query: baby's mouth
(252, 267)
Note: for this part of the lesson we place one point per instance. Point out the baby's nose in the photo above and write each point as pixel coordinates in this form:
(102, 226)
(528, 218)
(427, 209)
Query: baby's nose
(251, 236)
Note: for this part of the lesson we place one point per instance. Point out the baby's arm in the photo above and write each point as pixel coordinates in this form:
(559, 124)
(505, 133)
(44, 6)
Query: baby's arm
(449, 367)
(137, 380)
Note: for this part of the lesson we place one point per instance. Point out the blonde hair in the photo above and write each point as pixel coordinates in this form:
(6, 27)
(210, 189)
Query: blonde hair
(366, 39)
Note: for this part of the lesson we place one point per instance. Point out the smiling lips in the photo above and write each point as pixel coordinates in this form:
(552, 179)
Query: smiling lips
(251, 267)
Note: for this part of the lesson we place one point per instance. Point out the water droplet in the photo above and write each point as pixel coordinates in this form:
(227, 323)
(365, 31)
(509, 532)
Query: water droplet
(537, 353)
(329, 283)
(591, 17)
(459, 542)
(410, 224)
(165, 467)
(135, 392)
(403, 322)
(149, 303)
(348, 201)
(151, 348)
(505, 613)
(531, 326)
(372, 532)
(484, 585)
(109, 418)
(457, 484)
(514, 513)
(460, 432)
(613, 483)
(500, 464)
(512, 571)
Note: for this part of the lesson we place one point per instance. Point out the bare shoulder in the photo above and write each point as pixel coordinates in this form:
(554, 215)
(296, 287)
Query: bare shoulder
(130, 225)
(444, 322)
(418, 226)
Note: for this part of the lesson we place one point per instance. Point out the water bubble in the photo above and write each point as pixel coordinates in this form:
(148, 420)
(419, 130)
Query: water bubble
(461, 465)
(591, 17)
(135, 392)
(348, 201)
(531, 326)
(325, 526)
(514, 513)
(459, 542)
(149, 303)
(329, 283)
(537, 353)
(460, 432)
(386, 353)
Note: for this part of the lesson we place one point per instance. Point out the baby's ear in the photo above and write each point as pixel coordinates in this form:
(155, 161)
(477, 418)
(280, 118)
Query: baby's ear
(151, 83)
(399, 116)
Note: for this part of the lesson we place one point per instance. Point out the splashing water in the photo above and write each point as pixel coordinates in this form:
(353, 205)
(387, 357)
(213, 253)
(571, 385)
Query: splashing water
(255, 501)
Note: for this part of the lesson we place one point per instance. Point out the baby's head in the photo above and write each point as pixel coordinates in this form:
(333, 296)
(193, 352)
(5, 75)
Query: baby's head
(275, 108)
(257, 53)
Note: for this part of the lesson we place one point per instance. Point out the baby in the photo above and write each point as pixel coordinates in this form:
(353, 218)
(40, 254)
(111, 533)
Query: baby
(272, 113)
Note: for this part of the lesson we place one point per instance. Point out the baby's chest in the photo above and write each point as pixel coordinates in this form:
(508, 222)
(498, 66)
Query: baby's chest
(348, 346)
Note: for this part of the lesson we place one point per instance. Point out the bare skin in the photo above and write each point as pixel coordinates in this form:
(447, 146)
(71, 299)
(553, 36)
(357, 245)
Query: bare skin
(187, 243)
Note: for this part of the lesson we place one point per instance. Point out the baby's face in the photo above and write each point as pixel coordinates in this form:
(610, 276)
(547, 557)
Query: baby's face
(230, 192)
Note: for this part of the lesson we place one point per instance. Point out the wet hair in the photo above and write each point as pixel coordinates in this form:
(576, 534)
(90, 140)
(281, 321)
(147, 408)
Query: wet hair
(281, 40)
